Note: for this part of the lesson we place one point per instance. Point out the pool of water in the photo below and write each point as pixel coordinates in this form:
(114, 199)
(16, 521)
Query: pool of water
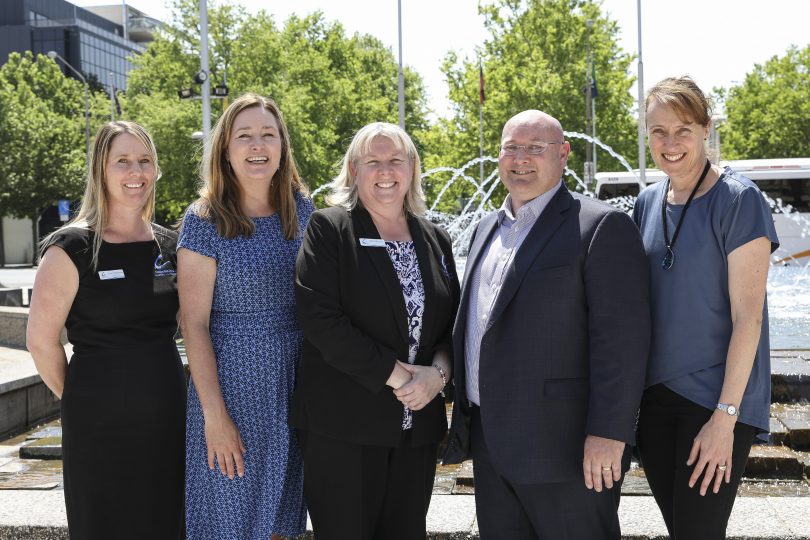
(789, 307)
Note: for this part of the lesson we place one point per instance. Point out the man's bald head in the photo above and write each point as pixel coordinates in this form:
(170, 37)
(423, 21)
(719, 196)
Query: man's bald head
(538, 120)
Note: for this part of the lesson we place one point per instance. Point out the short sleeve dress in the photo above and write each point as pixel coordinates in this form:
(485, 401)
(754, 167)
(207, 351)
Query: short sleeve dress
(257, 344)
(124, 399)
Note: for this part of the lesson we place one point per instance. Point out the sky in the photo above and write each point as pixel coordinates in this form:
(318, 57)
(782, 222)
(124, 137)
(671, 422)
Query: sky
(715, 41)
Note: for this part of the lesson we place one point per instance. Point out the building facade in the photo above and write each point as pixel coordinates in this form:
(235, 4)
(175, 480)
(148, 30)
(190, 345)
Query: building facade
(97, 41)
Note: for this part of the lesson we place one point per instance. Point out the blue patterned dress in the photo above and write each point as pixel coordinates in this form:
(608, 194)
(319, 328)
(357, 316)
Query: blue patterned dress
(257, 344)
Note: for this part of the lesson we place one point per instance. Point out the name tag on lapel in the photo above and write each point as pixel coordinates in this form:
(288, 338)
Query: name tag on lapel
(372, 242)
(111, 274)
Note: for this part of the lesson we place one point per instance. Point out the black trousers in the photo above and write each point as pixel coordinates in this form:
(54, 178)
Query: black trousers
(553, 511)
(363, 492)
(667, 426)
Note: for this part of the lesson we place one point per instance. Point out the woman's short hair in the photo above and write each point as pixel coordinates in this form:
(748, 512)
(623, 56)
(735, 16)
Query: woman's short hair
(684, 97)
(93, 211)
(220, 195)
(343, 191)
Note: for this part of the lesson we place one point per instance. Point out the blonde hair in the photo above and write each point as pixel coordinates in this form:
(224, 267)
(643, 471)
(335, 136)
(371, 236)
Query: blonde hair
(93, 211)
(684, 96)
(343, 191)
(220, 196)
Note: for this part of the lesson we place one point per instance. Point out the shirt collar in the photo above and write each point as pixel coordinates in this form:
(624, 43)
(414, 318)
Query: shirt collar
(531, 209)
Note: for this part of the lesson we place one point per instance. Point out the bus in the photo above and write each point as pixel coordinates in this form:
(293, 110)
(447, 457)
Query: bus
(785, 183)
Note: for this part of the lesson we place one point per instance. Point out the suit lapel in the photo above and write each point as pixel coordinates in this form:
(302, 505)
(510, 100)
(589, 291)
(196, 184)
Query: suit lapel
(541, 232)
(485, 229)
(483, 235)
(364, 228)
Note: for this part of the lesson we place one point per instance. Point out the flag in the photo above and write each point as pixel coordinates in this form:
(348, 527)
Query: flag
(480, 83)
(594, 91)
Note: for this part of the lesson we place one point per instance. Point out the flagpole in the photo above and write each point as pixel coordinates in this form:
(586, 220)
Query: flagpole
(481, 120)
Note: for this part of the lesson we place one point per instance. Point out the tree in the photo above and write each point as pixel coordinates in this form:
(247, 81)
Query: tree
(768, 115)
(327, 84)
(42, 137)
(535, 58)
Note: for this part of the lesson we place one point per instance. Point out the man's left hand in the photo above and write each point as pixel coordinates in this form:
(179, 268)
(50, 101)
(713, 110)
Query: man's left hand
(603, 462)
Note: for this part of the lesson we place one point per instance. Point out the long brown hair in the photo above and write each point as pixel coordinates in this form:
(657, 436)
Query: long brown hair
(220, 196)
(94, 210)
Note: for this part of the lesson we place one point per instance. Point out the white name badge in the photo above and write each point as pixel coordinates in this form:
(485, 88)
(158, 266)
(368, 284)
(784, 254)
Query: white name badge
(372, 242)
(111, 274)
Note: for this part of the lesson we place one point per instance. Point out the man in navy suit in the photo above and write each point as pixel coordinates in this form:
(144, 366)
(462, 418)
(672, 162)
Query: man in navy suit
(550, 347)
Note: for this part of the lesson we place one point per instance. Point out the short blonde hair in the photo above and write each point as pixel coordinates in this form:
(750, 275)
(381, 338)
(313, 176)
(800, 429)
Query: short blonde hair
(684, 96)
(94, 210)
(343, 191)
(220, 196)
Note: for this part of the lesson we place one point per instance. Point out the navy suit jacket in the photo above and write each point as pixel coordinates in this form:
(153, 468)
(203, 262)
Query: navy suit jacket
(565, 349)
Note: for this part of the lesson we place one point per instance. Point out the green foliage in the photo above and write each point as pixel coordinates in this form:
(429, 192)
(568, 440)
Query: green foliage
(535, 58)
(327, 84)
(42, 134)
(768, 115)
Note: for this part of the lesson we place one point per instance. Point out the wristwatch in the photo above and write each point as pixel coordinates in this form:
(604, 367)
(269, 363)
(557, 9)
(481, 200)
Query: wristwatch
(729, 409)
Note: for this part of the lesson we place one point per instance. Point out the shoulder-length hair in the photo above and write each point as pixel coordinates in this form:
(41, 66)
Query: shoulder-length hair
(343, 191)
(94, 210)
(220, 195)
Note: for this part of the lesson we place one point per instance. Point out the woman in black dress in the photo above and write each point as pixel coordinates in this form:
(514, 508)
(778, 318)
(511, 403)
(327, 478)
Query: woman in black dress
(109, 277)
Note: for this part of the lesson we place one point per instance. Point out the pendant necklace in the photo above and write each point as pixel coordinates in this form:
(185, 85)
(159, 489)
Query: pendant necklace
(669, 256)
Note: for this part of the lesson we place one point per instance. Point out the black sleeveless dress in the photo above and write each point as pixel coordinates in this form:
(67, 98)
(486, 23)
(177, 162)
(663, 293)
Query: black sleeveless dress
(123, 405)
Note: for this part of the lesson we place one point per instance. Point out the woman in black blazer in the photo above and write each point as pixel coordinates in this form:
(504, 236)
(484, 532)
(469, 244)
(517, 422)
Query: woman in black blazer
(377, 293)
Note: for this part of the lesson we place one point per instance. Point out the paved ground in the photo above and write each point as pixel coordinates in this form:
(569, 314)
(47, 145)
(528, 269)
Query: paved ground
(41, 514)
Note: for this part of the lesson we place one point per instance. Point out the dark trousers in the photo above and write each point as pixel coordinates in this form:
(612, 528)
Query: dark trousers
(553, 511)
(363, 492)
(667, 426)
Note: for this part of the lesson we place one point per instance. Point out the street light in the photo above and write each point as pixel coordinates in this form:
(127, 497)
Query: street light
(53, 55)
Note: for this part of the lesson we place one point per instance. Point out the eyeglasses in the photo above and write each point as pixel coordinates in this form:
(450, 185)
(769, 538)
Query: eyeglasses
(532, 149)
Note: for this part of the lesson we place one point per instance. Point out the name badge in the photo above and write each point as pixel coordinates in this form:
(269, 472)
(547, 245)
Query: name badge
(111, 274)
(372, 242)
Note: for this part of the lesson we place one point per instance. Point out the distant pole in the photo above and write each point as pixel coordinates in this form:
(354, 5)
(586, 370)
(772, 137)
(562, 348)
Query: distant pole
(588, 108)
(112, 95)
(401, 78)
(481, 120)
(204, 68)
(642, 149)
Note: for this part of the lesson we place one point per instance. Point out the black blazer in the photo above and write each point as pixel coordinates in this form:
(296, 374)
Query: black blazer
(565, 350)
(351, 308)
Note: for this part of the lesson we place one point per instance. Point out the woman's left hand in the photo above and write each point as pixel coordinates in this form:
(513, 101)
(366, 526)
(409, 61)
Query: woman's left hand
(711, 452)
(426, 382)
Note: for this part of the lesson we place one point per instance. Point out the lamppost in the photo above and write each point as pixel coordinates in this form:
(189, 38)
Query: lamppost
(53, 55)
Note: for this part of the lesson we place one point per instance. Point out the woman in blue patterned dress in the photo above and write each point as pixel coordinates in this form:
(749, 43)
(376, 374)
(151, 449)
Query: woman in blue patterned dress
(376, 293)
(236, 258)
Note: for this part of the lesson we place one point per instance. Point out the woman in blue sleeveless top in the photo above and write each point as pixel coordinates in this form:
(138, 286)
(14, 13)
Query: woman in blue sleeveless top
(236, 266)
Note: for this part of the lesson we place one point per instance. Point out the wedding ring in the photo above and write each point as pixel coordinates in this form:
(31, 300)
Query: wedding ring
(722, 467)
(606, 469)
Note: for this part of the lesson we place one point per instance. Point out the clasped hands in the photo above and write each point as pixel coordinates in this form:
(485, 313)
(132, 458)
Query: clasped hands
(415, 386)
